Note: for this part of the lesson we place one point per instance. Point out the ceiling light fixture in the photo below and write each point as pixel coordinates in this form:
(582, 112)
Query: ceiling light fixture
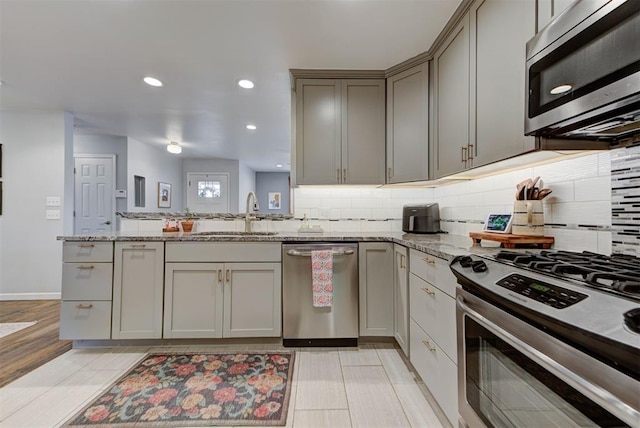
(561, 89)
(152, 81)
(174, 148)
(247, 84)
(278, 166)
(252, 127)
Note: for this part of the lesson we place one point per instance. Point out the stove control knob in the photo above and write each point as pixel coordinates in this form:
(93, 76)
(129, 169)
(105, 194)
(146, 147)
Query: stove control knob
(465, 261)
(478, 266)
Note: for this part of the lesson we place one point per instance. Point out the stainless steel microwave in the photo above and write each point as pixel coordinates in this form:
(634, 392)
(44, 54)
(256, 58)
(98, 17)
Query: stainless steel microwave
(583, 75)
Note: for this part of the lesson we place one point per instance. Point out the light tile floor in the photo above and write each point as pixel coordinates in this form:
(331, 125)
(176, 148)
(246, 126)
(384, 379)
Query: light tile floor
(368, 386)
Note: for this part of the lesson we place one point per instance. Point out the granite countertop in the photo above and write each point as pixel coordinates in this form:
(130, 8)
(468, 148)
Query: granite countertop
(441, 245)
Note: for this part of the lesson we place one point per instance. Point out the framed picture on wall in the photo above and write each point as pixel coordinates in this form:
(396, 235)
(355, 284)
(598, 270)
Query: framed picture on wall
(164, 195)
(274, 200)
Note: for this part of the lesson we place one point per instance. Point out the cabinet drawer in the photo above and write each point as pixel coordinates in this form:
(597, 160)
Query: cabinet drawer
(437, 371)
(87, 252)
(85, 319)
(87, 281)
(223, 252)
(435, 312)
(445, 279)
(423, 265)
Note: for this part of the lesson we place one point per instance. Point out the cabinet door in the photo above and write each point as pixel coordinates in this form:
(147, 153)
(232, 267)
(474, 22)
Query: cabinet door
(138, 287)
(375, 265)
(252, 300)
(363, 139)
(407, 125)
(401, 301)
(498, 78)
(318, 131)
(193, 300)
(451, 102)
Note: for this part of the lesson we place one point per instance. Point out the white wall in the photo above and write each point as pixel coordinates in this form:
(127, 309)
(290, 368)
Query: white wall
(577, 213)
(33, 168)
(246, 184)
(267, 182)
(229, 166)
(107, 144)
(155, 165)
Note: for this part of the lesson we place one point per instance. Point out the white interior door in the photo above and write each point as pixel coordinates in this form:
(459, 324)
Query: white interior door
(208, 192)
(94, 194)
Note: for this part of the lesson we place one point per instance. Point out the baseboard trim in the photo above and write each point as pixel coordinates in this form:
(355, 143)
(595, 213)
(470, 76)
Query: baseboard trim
(30, 296)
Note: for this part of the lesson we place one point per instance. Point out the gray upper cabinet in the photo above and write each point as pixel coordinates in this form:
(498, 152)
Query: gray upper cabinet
(340, 131)
(498, 79)
(479, 81)
(451, 102)
(407, 125)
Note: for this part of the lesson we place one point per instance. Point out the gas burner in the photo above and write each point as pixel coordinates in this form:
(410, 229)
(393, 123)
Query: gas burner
(616, 274)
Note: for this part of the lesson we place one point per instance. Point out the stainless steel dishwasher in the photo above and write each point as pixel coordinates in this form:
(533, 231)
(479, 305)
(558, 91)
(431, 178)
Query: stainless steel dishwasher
(306, 325)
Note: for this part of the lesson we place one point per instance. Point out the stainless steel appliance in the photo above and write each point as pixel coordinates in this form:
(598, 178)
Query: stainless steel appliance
(306, 325)
(583, 76)
(548, 339)
(421, 218)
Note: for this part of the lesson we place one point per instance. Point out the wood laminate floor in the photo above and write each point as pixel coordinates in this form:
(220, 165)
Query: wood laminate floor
(28, 349)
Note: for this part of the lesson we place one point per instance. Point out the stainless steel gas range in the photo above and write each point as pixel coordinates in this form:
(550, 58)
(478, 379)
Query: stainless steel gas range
(548, 339)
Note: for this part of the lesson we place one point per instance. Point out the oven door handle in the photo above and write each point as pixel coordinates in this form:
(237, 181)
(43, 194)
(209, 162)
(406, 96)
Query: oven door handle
(596, 393)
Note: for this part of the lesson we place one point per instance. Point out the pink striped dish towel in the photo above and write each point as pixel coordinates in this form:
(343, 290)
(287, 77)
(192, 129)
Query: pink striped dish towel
(322, 278)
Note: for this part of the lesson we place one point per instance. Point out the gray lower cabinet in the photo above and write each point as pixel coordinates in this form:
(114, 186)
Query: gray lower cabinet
(215, 290)
(375, 265)
(432, 311)
(407, 125)
(138, 287)
(87, 274)
(401, 298)
(340, 131)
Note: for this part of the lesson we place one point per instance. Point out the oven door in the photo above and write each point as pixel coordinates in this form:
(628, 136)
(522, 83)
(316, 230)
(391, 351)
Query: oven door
(519, 376)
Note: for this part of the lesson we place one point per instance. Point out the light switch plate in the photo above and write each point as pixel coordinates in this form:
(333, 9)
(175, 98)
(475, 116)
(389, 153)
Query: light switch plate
(53, 214)
(53, 201)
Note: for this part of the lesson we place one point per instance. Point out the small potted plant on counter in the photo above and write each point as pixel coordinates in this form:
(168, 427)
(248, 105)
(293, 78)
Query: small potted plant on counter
(187, 223)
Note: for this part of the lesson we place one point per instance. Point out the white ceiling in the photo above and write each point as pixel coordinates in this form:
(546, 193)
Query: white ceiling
(89, 58)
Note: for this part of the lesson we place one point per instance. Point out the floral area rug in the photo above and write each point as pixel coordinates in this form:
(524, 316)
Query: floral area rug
(196, 389)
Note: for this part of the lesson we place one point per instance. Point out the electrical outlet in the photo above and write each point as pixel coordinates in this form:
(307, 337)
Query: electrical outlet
(53, 214)
(53, 201)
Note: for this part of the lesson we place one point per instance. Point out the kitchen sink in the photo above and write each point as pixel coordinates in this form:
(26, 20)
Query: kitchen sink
(225, 232)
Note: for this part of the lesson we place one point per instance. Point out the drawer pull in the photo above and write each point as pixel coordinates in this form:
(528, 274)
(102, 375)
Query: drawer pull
(81, 306)
(86, 245)
(219, 275)
(428, 261)
(428, 345)
(86, 267)
(138, 245)
(402, 263)
(426, 290)
(228, 275)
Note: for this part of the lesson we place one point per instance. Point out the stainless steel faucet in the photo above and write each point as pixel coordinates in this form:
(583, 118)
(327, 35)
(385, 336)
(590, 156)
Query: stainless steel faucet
(248, 218)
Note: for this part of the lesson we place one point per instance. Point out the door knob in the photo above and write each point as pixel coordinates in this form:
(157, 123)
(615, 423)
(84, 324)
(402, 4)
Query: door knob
(107, 222)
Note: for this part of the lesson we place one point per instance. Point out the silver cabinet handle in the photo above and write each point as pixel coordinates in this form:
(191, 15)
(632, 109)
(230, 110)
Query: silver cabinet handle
(402, 263)
(429, 292)
(389, 175)
(138, 245)
(81, 306)
(228, 276)
(86, 267)
(108, 222)
(428, 345)
(297, 253)
(469, 151)
(219, 275)
(338, 171)
(86, 245)
(344, 175)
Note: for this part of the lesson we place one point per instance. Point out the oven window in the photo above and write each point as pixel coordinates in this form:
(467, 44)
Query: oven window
(507, 389)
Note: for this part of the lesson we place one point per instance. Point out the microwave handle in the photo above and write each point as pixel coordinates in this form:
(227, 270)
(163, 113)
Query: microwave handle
(594, 392)
(411, 222)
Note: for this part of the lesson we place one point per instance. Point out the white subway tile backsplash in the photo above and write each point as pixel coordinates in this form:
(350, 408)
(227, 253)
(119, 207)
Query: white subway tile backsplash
(604, 163)
(597, 213)
(571, 169)
(573, 240)
(364, 213)
(563, 191)
(604, 242)
(367, 202)
(593, 189)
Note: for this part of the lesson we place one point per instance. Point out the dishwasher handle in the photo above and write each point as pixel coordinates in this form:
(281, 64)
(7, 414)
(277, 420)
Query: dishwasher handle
(297, 253)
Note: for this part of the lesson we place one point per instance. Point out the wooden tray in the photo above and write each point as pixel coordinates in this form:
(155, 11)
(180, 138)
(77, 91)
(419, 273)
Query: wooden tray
(508, 240)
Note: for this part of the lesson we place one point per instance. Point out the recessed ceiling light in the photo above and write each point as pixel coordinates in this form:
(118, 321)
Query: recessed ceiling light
(174, 148)
(247, 84)
(560, 89)
(1, 83)
(278, 166)
(251, 127)
(152, 81)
